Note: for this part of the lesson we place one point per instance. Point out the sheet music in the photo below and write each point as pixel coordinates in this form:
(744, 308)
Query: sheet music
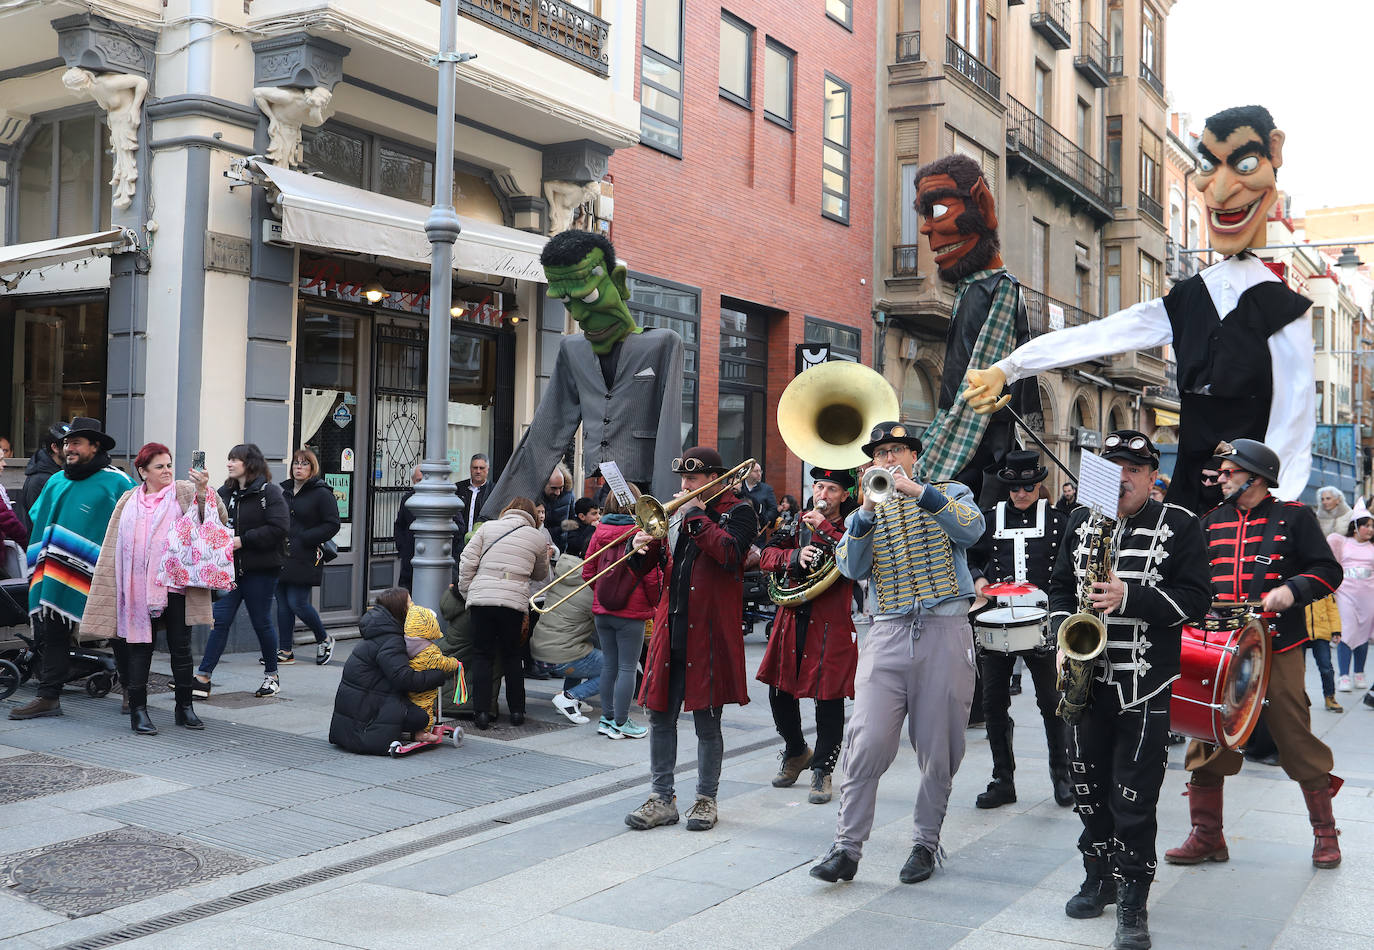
(1099, 484)
(619, 487)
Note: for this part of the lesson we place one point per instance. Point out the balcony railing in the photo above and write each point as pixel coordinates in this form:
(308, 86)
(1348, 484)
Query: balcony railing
(1151, 80)
(1051, 20)
(1116, 66)
(1151, 207)
(1032, 137)
(909, 47)
(904, 260)
(1091, 58)
(554, 25)
(971, 68)
(1046, 313)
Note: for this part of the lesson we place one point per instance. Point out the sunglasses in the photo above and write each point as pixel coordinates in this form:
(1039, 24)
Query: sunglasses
(689, 465)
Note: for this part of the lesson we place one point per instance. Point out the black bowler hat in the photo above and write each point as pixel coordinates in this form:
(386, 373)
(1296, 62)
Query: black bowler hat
(891, 432)
(1021, 468)
(1128, 445)
(90, 429)
(840, 476)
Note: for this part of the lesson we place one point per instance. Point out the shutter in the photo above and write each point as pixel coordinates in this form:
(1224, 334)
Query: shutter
(906, 135)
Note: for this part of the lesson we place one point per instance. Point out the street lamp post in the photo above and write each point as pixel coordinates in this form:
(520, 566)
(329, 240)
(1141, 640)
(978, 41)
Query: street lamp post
(435, 501)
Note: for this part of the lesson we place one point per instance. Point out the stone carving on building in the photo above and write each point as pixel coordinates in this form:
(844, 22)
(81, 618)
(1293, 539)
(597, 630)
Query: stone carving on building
(572, 204)
(287, 110)
(121, 96)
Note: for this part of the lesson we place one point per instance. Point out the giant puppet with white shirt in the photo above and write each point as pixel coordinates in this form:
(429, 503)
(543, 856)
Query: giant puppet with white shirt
(1241, 337)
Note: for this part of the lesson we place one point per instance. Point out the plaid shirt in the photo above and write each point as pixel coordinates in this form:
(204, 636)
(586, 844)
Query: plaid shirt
(953, 437)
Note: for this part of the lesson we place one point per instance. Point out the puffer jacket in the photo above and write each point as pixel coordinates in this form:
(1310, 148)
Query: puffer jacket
(565, 635)
(41, 467)
(371, 702)
(501, 560)
(1323, 618)
(258, 514)
(314, 520)
(604, 548)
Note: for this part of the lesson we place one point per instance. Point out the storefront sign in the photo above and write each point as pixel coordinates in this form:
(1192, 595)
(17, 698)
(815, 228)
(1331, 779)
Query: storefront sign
(227, 253)
(342, 416)
(340, 485)
(320, 284)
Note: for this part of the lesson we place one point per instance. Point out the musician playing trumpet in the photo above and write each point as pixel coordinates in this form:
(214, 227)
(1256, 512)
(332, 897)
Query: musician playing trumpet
(814, 648)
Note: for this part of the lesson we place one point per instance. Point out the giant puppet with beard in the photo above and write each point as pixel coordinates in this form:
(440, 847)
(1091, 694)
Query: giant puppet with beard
(1241, 337)
(622, 382)
(959, 221)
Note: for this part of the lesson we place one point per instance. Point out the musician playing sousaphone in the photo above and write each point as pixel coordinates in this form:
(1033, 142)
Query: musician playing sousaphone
(1155, 579)
(814, 649)
(1019, 546)
(1273, 552)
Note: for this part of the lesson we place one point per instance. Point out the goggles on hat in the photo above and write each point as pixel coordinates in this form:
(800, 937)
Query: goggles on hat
(1027, 474)
(1136, 443)
(689, 465)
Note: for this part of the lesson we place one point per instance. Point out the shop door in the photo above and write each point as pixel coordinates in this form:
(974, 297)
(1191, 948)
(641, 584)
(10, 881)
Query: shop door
(398, 438)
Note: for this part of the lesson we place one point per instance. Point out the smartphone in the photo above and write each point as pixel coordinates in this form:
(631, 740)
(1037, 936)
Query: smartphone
(198, 460)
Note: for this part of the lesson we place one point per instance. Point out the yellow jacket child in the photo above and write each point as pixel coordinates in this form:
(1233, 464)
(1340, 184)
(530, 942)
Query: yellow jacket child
(1323, 618)
(422, 629)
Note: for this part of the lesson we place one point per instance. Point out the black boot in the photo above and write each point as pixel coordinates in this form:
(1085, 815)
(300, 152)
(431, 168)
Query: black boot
(1097, 891)
(1001, 790)
(1057, 740)
(138, 712)
(1132, 923)
(186, 712)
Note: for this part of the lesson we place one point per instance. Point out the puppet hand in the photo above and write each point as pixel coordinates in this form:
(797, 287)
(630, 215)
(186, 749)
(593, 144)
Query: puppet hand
(984, 386)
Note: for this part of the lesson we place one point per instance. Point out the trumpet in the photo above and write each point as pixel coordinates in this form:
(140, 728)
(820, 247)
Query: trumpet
(652, 517)
(878, 485)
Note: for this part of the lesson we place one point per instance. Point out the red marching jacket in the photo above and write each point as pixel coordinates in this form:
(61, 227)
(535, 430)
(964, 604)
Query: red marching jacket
(830, 650)
(717, 542)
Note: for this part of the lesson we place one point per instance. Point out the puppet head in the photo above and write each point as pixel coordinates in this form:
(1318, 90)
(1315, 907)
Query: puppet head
(958, 216)
(1239, 156)
(582, 272)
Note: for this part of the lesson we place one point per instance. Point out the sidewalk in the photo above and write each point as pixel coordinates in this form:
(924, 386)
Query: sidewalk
(521, 842)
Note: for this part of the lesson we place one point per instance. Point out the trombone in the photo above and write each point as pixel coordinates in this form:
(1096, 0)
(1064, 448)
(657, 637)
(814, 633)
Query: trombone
(652, 516)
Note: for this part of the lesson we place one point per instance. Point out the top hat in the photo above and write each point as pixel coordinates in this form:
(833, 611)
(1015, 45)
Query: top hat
(1022, 468)
(90, 429)
(1128, 445)
(891, 432)
(840, 476)
(699, 459)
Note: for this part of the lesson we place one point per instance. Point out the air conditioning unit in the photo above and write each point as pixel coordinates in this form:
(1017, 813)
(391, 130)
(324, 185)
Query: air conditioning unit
(271, 234)
(1087, 438)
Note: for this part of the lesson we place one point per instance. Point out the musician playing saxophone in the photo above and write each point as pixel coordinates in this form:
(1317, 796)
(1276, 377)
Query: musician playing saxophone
(1117, 748)
(813, 649)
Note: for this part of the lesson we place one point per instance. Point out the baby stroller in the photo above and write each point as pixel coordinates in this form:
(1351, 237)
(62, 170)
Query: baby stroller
(757, 604)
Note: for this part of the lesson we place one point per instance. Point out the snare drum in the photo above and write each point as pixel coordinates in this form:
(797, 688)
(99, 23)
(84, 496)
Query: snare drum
(1017, 621)
(1223, 675)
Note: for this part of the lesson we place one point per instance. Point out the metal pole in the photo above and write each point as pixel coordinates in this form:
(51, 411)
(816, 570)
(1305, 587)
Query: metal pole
(435, 501)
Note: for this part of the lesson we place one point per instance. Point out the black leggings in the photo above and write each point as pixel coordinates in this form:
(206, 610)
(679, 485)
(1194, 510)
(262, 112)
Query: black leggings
(133, 660)
(829, 727)
(496, 632)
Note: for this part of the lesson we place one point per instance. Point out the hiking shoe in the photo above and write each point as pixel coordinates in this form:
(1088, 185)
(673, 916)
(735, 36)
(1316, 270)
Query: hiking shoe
(702, 815)
(629, 729)
(570, 708)
(606, 727)
(820, 788)
(654, 812)
(200, 689)
(324, 651)
(1333, 706)
(39, 708)
(271, 686)
(792, 766)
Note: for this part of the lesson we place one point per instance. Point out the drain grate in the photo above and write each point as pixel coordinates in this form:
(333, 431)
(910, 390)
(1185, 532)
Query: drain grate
(35, 775)
(503, 730)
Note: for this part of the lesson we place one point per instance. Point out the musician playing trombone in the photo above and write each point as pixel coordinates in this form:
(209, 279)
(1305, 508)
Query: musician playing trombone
(917, 660)
(814, 649)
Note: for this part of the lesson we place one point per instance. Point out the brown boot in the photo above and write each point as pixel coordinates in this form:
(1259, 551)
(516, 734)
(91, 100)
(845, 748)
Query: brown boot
(40, 708)
(791, 768)
(1204, 842)
(1326, 846)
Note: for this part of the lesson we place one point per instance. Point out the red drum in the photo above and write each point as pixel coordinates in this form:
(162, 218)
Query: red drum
(1224, 672)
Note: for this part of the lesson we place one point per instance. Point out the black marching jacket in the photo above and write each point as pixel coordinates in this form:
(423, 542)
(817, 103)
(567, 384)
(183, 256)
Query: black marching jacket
(1018, 545)
(257, 514)
(314, 520)
(370, 705)
(1291, 550)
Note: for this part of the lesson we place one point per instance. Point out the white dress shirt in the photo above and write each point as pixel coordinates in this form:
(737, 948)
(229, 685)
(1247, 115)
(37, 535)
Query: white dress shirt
(1292, 410)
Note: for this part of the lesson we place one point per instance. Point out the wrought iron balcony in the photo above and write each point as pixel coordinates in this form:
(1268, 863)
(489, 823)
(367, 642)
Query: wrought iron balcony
(1151, 80)
(553, 25)
(971, 68)
(1046, 313)
(1051, 20)
(1116, 66)
(909, 47)
(1033, 141)
(1152, 207)
(1091, 58)
(904, 260)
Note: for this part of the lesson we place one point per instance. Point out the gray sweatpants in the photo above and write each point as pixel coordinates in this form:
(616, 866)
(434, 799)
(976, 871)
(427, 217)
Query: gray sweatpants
(918, 668)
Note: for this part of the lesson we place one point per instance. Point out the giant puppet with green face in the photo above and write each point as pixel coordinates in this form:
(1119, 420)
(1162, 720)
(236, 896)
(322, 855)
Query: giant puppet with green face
(621, 382)
(1241, 337)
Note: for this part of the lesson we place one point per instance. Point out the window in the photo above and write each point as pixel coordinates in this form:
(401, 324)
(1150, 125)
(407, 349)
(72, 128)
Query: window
(778, 75)
(1040, 254)
(1084, 126)
(1082, 287)
(58, 353)
(1149, 277)
(973, 25)
(743, 410)
(736, 58)
(63, 179)
(405, 176)
(844, 342)
(1319, 328)
(959, 144)
(659, 303)
(1149, 33)
(841, 11)
(918, 396)
(1116, 38)
(1113, 282)
(1114, 145)
(660, 86)
(835, 151)
(1042, 90)
(1151, 156)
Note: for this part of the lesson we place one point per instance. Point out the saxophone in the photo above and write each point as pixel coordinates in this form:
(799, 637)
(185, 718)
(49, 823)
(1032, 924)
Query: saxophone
(1083, 635)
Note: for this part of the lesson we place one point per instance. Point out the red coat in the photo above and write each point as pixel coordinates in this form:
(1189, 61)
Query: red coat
(604, 548)
(831, 651)
(715, 635)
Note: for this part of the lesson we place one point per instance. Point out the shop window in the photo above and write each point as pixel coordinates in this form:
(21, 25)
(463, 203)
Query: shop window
(841, 11)
(736, 59)
(835, 151)
(58, 352)
(63, 179)
(660, 86)
(844, 342)
(656, 303)
(779, 72)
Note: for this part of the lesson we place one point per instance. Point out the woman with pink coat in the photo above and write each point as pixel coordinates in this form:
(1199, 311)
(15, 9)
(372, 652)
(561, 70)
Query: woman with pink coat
(1355, 596)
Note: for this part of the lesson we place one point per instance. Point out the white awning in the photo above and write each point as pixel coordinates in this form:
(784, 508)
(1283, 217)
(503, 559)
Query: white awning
(321, 213)
(21, 257)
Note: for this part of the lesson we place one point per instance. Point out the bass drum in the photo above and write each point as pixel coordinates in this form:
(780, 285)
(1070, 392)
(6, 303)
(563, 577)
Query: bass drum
(1223, 676)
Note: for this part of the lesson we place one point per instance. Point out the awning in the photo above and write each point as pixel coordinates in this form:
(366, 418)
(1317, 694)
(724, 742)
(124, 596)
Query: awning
(321, 213)
(21, 257)
(1163, 417)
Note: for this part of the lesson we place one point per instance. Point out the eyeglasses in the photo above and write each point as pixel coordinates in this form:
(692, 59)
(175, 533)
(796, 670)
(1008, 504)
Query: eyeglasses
(891, 452)
(688, 466)
(1135, 443)
(1225, 473)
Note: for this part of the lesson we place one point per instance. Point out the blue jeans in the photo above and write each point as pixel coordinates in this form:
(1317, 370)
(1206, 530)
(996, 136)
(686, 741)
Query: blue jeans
(293, 600)
(581, 678)
(255, 592)
(622, 639)
(1344, 653)
(1321, 653)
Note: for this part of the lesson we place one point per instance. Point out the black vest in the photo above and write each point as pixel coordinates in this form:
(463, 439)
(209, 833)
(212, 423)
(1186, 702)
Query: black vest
(1225, 376)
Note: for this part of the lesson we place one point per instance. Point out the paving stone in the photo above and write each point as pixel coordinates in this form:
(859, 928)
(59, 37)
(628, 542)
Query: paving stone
(450, 873)
(1199, 928)
(733, 865)
(289, 787)
(881, 932)
(207, 768)
(184, 810)
(648, 903)
(287, 834)
(377, 809)
(950, 898)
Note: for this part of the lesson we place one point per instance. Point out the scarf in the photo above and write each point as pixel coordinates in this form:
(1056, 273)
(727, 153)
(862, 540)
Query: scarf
(69, 521)
(140, 544)
(83, 470)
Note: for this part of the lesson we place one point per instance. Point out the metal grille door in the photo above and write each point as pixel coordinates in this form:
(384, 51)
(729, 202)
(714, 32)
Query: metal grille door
(398, 413)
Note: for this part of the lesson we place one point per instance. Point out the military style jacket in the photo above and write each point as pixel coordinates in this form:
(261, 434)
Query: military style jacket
(1018, 545)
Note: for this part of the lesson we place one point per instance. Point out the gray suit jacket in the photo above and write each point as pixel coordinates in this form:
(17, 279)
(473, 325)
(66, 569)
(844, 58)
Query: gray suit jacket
(637, 425)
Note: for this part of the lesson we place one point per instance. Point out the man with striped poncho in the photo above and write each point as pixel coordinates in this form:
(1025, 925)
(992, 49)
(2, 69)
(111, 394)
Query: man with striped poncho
(69, 520)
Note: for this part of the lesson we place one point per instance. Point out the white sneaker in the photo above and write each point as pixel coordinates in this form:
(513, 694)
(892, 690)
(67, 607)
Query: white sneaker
(569, 707)
(1344, 684)
(271, 686)
(1361, 682)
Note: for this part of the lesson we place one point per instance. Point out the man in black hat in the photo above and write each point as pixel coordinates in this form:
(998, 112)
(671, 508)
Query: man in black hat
(69, 522)
(813, 649)
(1020, 545)
(1157, 581)
(43, 465)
